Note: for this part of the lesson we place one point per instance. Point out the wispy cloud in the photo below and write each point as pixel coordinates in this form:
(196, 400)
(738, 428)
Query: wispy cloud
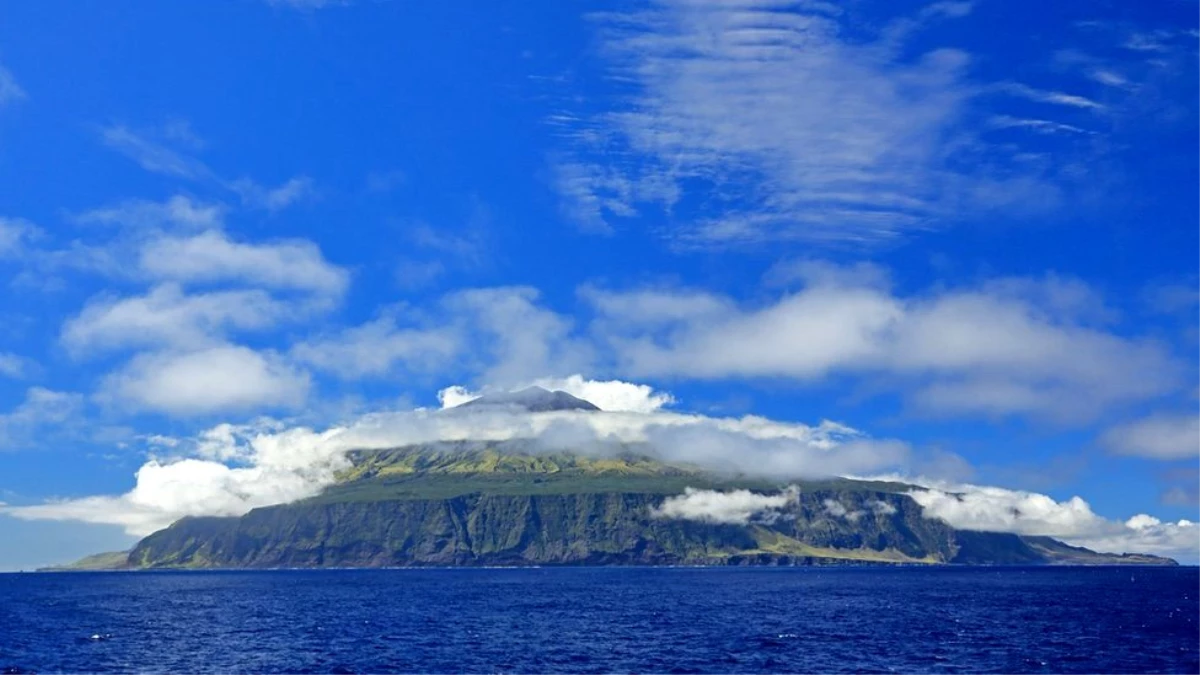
(167, 150)
(14, 365)
(758, 121)
(1109, 78)
(1179, 298)
(385, 181)
(10, 91)
(1154, 41)
(1161, 436)
(168, 316)
(153, 156)
(43, 413)
(1038, 125)
(496, 336)
(1181, 486)
(176, 211)
(1048, 96)
(378, 348)
(274, 199)
(16, 235)
(751, 122)
(453, 249)
(307, 5)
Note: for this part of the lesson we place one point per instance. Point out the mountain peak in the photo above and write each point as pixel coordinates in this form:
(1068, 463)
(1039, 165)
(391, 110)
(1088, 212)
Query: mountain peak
(533, 399)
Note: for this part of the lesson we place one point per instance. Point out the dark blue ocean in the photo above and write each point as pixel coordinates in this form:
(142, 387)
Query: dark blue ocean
(599, 620)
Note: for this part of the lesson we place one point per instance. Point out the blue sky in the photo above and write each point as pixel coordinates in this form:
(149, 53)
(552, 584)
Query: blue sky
(964, 228)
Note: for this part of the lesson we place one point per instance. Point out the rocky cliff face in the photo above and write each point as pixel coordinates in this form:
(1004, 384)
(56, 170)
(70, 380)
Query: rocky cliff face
(573, 516)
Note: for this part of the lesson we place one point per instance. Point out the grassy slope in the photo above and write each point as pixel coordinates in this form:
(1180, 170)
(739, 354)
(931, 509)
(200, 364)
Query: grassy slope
(451, 470)
(452, 503)
(114, 560)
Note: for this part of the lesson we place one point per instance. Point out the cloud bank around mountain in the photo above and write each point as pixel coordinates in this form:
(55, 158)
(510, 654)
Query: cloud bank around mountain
(976, 507)
(230, 469)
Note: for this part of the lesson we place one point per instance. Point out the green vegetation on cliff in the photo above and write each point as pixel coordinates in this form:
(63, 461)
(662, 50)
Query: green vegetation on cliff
(497, 504)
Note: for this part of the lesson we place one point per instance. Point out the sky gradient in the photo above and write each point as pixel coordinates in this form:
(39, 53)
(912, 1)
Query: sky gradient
(237, 235)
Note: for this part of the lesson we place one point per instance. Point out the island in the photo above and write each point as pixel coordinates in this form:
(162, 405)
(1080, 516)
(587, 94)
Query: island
(473, 503)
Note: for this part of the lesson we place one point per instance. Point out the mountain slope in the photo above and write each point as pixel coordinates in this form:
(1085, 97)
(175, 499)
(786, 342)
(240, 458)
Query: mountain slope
(113, 560)
(495, 504)
(533, 399)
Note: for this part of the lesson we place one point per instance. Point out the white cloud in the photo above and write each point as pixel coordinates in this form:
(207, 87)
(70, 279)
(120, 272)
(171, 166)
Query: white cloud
(501, 334)
(223, 378)
(43, 412)
(166, 492)
(736, 507)
(1148, 42)
(15, 236)
(1052, 97)
(211, 256)
(608, 395)
(611, 395)
(13, 365)
(10, 91)
(167, 315)
(467, 247)
(188, 365)
(882, 508)
(377, 348)
(1038, 125)
(1045, 348)
(656, 308)
(1109, 78)
(1144, 533)
(456, 395)
(592, 193)
(1163, 436)
(838, 510)
(230, 469)
(516, 340)
(274, 199)
(1008, 347)
(993, 509)
(177, 211)
(973, 507)
(412, 274)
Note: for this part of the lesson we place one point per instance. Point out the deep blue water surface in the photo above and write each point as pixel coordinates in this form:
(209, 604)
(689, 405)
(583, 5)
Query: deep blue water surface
(1054, 620)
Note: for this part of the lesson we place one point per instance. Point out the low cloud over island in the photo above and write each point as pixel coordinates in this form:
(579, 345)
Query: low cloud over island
(230, 469)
